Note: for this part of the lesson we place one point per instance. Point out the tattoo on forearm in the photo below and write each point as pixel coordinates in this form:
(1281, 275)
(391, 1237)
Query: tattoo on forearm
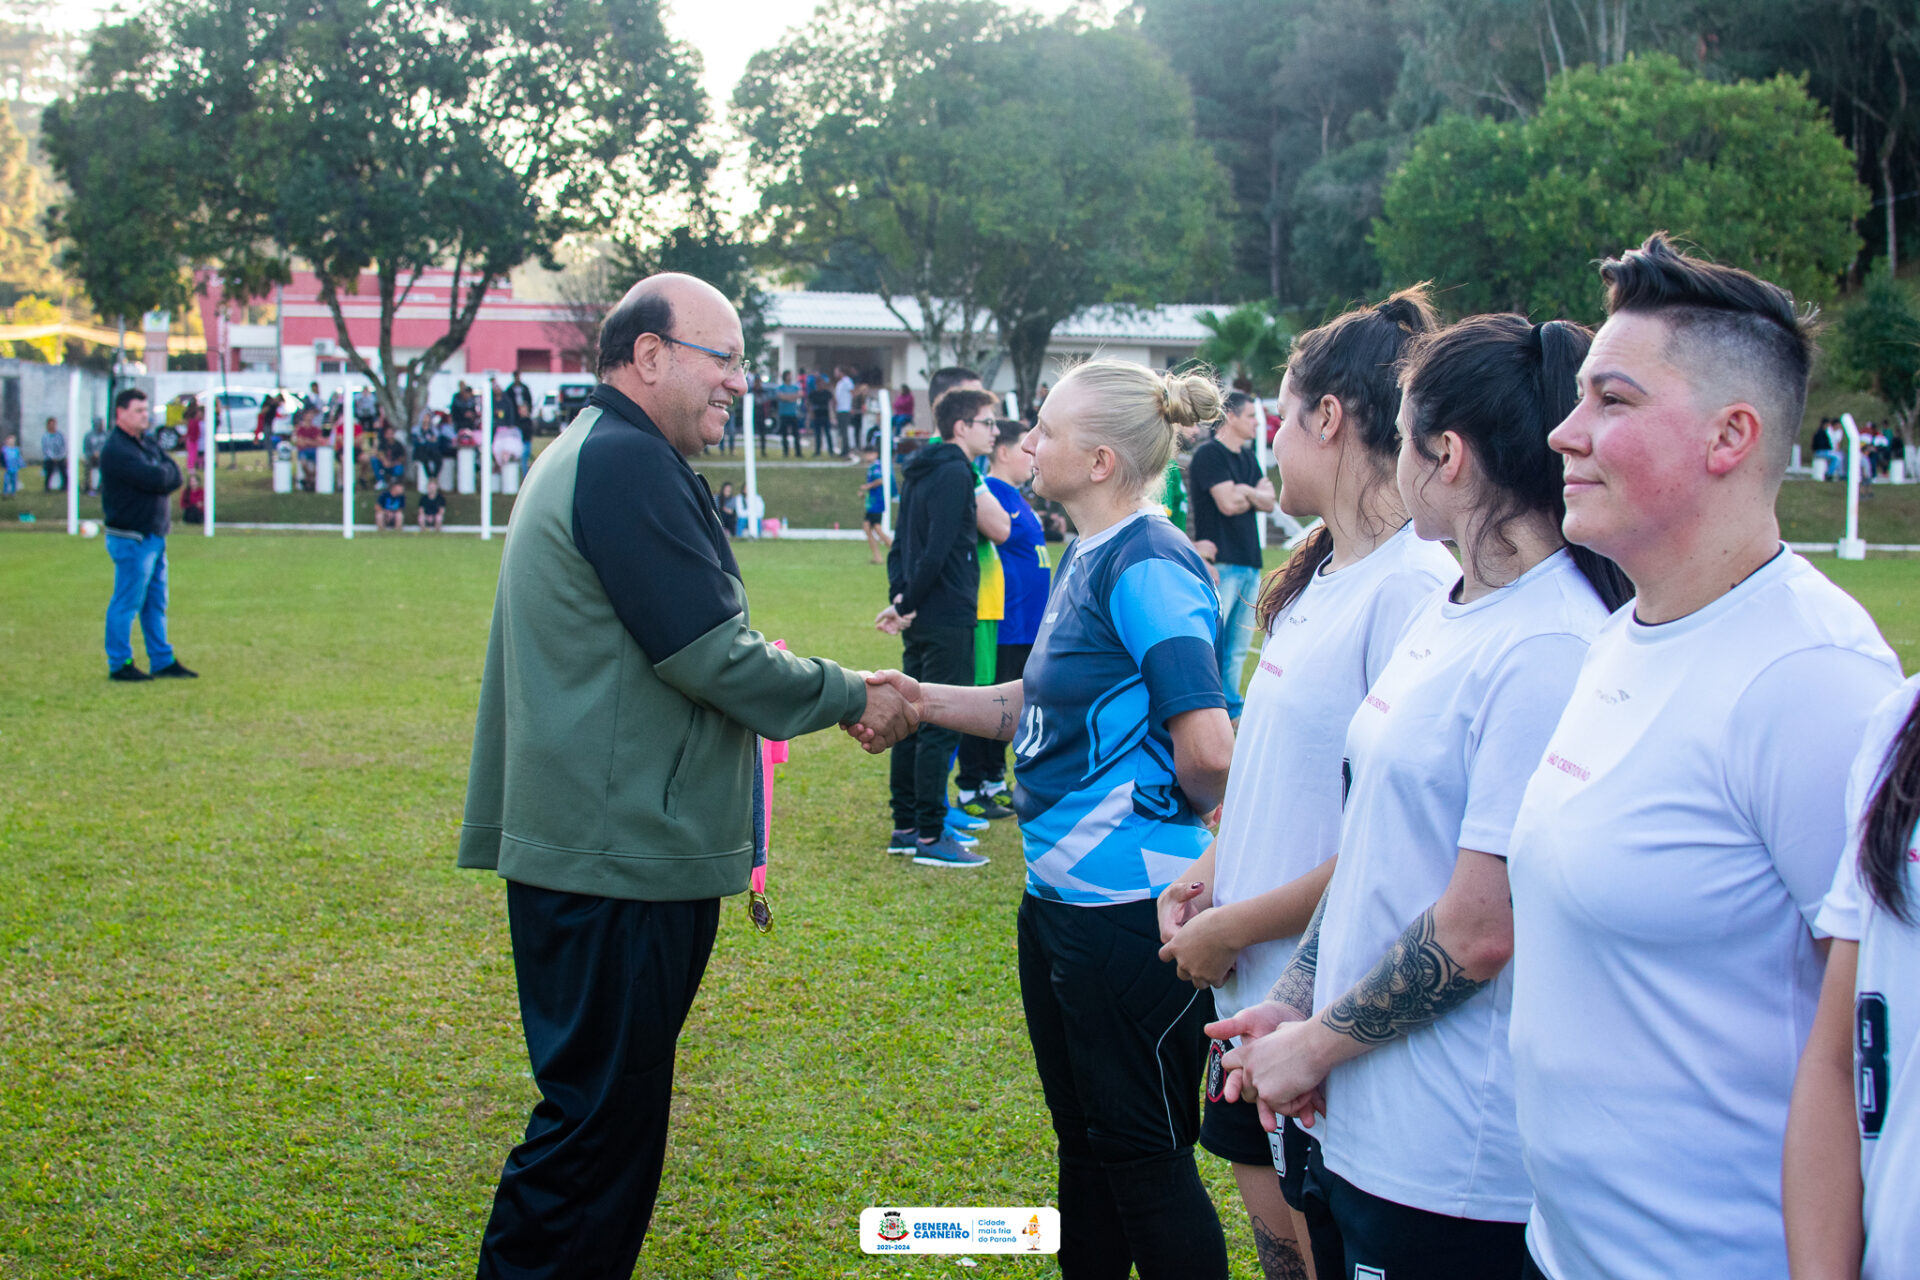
(1413, 985)
(1279, 1256)
(1295, 983)
(1006, 717)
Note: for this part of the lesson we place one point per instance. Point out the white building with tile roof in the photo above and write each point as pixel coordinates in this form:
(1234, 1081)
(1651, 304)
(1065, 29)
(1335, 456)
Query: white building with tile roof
(819, 331)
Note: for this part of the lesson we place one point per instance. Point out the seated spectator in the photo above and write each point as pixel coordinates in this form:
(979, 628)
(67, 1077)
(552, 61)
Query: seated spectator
(726, 505)
(307, 439)
(902, 409)
(390, 508)
(193, 500)
(509, 447)
(433, 506)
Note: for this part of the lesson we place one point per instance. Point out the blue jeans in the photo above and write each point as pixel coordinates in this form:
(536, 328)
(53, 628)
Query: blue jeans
(1239, 585)
(139, 587)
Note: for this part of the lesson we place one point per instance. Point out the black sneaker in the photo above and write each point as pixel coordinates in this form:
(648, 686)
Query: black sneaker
(173, 671)
(903, 841)
(984, 804)
(946, 852)
(128, 673)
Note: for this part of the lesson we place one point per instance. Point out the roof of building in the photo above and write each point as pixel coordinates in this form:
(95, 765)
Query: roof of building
(1173, 323)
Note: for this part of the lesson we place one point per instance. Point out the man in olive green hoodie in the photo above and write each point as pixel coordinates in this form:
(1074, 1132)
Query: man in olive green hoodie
(612, 783)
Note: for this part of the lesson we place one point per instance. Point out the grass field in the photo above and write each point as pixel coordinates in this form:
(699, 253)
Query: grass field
(253, 1023)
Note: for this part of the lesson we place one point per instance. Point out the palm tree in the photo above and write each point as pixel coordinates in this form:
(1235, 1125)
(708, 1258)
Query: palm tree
(1249, 344)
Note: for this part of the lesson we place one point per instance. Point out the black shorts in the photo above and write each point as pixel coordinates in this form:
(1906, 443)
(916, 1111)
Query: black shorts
(1231, 1130)
(872, 519)
(1356, 1233)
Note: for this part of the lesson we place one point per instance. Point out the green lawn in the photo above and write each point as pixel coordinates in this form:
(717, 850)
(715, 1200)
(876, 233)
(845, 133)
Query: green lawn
(253, 1023)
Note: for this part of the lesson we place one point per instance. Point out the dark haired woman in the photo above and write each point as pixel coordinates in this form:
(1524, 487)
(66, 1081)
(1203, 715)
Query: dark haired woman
(1852, 1173)
(1406, 1054)
(1330, 616)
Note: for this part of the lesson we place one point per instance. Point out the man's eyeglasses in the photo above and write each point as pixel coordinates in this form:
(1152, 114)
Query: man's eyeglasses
(732, 361)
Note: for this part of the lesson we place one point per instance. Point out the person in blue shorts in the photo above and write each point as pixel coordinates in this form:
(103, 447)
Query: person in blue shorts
(875, 492)
(981, 780)
(1121, 745)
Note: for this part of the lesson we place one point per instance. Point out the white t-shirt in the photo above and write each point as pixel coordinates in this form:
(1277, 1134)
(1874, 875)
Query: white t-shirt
(1282, 813)
(1440, 751)
(843, 395)
(1672, 849)
(1886, 999)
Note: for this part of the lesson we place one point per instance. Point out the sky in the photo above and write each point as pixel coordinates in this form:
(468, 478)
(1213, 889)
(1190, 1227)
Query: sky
(726, 32)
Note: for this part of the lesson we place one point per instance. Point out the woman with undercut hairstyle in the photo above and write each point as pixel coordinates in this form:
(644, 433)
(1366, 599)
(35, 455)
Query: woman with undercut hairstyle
(1405, 1048)
(1683, 824)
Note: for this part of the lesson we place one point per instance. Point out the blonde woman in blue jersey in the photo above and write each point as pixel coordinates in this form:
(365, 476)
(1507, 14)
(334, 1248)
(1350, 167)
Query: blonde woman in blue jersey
(1121, 744)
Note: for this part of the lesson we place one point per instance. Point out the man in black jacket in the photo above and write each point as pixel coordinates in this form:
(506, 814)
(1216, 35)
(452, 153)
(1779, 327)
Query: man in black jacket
(933, 578)
(136, 478)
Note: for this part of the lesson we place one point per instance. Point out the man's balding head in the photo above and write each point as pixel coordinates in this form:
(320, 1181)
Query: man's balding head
(652, 306)
(673, 346)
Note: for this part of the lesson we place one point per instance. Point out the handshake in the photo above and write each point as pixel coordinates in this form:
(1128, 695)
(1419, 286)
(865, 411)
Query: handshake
(893, 711)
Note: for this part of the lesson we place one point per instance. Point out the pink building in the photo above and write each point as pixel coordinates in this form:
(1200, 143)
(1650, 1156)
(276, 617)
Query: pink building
(524, 326)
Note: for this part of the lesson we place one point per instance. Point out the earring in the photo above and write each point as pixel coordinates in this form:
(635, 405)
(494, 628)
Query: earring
(1323, 437)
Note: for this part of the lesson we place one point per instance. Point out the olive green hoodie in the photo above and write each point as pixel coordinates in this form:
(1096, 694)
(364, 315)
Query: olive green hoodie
(613, 752)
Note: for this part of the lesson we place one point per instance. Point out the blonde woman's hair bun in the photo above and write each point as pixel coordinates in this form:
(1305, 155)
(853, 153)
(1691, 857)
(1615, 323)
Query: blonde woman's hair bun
(1189, 399)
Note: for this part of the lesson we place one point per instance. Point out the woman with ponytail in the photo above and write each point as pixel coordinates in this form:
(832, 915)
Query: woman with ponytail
(1391, 1017)
(1121, 744)
(1330, 616)
(1853, 1136)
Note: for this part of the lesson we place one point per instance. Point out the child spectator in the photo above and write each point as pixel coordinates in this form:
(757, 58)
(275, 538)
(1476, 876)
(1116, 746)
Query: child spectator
(875, 489)
(433, 506)
(10, 460)
(391, 506)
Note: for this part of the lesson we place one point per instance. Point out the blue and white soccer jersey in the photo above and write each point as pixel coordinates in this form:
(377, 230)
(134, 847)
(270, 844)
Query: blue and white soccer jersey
(1126, 644)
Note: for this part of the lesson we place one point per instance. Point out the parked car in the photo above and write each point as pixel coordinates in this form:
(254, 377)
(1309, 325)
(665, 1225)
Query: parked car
(573, 398)
(237, 412)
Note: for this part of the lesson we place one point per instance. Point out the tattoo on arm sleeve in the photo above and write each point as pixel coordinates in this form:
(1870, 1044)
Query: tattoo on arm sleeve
(1413, 985)
(1295, 984)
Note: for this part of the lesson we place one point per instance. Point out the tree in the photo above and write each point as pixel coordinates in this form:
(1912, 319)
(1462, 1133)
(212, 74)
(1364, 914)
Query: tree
(1876, 344)
(26, 260)
(859, 136)
(386, 136)
(599, 275)
(1113, 201)
(1511, 214)
(1249, 344)
(980, 165)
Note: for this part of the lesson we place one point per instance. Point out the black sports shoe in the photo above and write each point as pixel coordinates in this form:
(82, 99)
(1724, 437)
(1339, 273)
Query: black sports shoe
(173, 671)
(129, 673)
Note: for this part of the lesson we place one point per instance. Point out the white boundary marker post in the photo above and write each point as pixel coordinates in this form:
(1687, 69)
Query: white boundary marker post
(886, 476)
(1850, 546)
(74, 463)
(753, 469)
(210, 453)
(347, 425)
(486, 462)
(1265, 458)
